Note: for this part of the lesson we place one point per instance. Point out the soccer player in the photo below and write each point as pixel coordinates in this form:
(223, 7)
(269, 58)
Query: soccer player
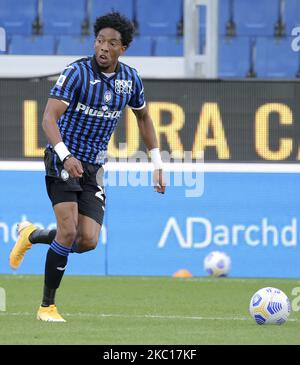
(80, 116)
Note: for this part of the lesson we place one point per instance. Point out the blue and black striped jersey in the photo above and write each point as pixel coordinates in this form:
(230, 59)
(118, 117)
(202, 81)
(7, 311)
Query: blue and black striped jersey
(95, 104)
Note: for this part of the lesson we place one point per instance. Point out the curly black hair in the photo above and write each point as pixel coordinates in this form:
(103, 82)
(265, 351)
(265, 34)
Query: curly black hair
(118, 22)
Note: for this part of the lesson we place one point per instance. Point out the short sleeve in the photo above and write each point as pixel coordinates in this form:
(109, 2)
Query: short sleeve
(66, 85)
(137, 100)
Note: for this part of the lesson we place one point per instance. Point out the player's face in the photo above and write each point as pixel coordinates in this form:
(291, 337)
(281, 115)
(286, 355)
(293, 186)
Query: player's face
(108, 48)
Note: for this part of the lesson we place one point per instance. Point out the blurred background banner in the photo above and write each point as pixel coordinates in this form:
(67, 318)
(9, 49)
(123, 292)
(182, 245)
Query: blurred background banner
(250, 216)
(231, 121)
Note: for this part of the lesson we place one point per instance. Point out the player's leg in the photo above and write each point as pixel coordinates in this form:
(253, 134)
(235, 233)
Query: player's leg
(64, 197)
(91, 207)
(87, 234)
(44, 236)
(86, 239)
(57, 258)
(29, 234)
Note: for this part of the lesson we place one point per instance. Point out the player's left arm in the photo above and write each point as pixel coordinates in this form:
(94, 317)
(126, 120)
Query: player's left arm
(148, 134)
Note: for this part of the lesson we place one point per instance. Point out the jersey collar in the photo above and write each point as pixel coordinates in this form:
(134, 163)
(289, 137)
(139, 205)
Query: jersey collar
(96, 68)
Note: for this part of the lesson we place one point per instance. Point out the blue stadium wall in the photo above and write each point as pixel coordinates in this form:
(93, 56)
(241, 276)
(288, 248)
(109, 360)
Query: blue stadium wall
(252, 216)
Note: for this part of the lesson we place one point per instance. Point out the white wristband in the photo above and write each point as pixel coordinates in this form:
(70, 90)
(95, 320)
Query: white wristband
(61, 149)
(156, 158)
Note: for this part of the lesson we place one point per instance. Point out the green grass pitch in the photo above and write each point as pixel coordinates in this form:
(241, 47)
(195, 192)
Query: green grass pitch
(143, 310)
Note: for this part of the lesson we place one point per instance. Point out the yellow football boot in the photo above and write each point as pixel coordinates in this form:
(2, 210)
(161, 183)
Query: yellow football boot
(49, 314)
(22, 245)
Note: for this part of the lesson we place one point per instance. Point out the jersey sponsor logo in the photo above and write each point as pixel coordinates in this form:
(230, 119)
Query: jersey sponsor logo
(94, 82)
(123, 86)
(98, 113)
(61, 80)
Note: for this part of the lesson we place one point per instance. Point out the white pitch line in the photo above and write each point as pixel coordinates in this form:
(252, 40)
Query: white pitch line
(141, 316)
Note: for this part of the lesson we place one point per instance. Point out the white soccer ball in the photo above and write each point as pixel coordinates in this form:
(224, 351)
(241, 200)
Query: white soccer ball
(217, 263)
(270, 306)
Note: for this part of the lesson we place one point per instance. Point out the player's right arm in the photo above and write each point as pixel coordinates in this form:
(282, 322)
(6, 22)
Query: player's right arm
(53, 111)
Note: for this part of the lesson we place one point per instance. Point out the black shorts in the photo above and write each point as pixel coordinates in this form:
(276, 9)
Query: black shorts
(87, 191)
